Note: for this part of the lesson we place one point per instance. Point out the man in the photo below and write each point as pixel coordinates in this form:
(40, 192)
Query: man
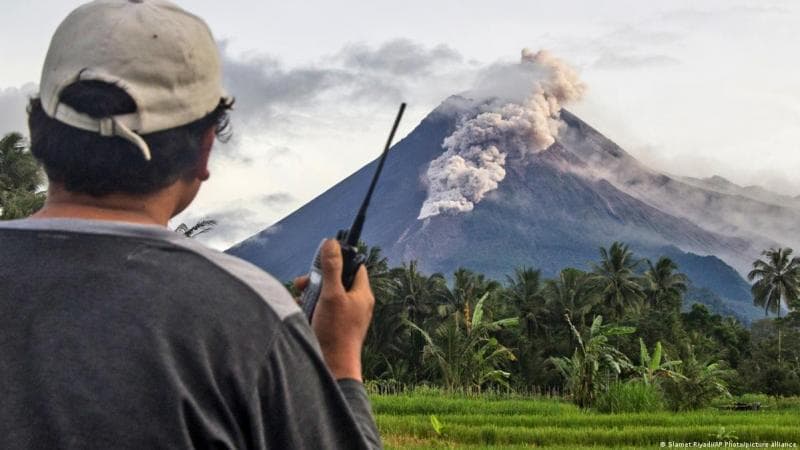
(116, 333)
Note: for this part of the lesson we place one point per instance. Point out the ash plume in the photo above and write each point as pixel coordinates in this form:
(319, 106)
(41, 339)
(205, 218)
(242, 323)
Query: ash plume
(476, 153)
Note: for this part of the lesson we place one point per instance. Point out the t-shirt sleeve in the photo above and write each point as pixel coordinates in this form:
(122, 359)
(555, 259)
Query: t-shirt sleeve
(356, 396)
(303, 406)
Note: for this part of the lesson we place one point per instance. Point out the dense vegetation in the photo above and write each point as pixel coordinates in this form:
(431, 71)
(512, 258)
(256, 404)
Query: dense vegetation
(616, 331)
(435, 420)
(20, 179)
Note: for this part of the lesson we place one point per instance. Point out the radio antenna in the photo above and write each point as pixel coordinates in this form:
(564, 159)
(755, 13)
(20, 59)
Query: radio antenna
(355, 230)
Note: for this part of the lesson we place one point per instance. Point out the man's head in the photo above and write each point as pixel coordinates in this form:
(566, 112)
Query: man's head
(131, 100)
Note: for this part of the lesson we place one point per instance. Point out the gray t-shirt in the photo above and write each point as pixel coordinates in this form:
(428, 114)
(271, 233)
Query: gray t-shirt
(130, 336)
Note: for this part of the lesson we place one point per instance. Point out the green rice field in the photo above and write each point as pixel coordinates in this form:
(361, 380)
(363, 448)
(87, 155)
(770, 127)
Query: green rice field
(516, 423)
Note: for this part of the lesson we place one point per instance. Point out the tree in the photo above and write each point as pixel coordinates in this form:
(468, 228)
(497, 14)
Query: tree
(523, 297)
(763, 371)
(419, 294)
(197, 229)
(377, 267)
(20, 179)
(467, 287)
(616, 279)
(778, 280)
(382, 355)
(524, 292)
(418, 298)
(664, 286)
(465, 352)
(582, 371)
(699, 383)
(573, 293)
(651, 368)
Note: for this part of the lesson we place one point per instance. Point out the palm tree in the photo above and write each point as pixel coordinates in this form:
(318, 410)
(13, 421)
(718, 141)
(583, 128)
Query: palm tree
(20, 179)
(467, 286)
(616, 279)
(591, 355)
(524, 292)
(778, 278)
(382, 352)
(419, 294)
(377, 267)
(466, 354)
(664, 286)
(414, 297)
(197, 229)
(573, 293)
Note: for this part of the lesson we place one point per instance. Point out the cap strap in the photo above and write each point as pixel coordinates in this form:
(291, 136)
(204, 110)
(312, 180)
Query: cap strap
(124, 132)
(119, 126)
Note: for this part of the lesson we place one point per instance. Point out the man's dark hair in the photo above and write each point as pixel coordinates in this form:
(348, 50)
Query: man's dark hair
(88, 163)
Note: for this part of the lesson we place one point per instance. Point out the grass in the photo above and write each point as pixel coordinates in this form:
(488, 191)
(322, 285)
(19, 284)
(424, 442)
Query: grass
(515, 423)
(630, 397)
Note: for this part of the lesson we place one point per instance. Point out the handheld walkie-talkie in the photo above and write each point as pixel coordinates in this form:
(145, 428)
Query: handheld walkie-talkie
(348, 240)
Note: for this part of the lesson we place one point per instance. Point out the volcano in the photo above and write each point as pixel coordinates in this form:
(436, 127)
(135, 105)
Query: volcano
(551, 212)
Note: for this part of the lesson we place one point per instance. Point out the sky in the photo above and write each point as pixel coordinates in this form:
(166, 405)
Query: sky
(696, 88)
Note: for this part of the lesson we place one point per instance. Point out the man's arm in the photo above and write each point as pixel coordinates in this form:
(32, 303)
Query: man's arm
(320, 391)
(342, 318)
(303, 406)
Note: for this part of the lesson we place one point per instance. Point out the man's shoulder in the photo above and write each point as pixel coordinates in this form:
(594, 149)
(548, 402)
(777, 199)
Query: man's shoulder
(153, 242)
(262, 283)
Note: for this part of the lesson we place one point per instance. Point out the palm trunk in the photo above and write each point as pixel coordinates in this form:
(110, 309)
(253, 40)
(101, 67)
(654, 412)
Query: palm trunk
(780, 335)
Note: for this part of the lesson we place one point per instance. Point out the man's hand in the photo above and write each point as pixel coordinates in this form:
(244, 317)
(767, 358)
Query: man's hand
(341, 318)
(299, 284)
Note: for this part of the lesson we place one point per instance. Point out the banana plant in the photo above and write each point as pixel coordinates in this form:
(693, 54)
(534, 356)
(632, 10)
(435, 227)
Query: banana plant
(592, 354)
(651, 368)
(465, 352)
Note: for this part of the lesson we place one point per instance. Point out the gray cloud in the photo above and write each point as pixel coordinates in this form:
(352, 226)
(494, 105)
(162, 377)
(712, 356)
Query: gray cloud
(700, 165)
(772, 179)
(13, 102)
(398, 57)
(635, 36)
(277, 199)
(690, 16)
(619, 60)
(627, 47)
(265, 90)
(263, 80)
(261, 84)
(377, 89)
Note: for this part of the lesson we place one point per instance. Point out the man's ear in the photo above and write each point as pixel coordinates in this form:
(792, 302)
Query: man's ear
(203, 173)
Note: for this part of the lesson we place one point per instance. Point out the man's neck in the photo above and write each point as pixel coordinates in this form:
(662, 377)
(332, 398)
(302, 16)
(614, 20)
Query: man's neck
(96, 213)
(154, 209)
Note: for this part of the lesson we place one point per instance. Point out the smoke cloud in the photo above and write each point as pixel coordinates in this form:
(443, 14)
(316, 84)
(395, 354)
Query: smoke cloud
(476, 153)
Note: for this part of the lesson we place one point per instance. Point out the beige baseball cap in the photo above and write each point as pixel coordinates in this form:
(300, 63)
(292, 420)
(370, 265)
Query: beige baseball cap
(164, 58)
